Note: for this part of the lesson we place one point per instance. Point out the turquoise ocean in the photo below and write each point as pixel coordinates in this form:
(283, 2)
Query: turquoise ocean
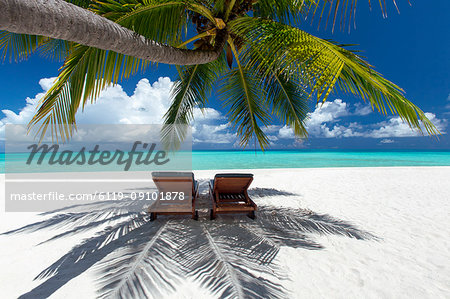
(202, 160)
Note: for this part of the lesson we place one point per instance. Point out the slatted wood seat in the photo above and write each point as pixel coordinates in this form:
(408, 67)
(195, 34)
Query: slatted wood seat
(175, 182)
(228, 194)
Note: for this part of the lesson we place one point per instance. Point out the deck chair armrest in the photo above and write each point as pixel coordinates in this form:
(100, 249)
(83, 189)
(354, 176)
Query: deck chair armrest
(210, 187)
(196, 187)
(211, 191)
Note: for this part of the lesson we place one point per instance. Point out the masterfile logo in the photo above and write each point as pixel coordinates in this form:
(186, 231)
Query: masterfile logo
(101, 163)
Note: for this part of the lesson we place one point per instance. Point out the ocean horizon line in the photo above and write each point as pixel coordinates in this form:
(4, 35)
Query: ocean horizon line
(272, 159)
(303, 150)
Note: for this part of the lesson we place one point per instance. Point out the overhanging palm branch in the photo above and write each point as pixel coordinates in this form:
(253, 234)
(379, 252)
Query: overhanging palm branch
(87, 70)
(275, 68)
(19, 47)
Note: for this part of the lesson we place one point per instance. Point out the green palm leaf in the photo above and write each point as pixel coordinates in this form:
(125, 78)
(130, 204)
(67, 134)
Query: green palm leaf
(161, 20)
(283, 11)
(55, 49)
(85, 73)
(88, 71)
(18, 47)
(343, 10)
(189, 91)
(241, 92)
(81, 3)
(325, 66)
(278, 67)
(286, 94)
(289, 101)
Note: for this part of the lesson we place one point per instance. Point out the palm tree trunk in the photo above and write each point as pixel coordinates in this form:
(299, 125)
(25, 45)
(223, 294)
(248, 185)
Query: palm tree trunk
(61, 20)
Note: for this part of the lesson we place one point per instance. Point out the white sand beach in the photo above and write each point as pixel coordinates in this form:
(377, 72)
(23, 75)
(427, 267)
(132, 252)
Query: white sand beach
(319, 233)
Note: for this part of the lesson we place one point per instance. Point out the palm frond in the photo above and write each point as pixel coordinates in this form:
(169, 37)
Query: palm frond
(343, 11)
(55, 49)
(284, 11)
(219, 6)
(81, 3)
(289, 101)
(85, 73)
(161, 20)
(18, 47)
(228, 8)
(286, 94)
(325, 66)
(241, 92)
(191, 90)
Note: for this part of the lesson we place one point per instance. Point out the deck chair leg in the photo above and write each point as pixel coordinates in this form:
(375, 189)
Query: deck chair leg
(195, 216)
(212, 215)
(153, 216)
(252, 215)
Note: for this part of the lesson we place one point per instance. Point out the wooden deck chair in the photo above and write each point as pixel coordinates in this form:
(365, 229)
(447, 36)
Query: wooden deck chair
(174, 182)
(229, 194)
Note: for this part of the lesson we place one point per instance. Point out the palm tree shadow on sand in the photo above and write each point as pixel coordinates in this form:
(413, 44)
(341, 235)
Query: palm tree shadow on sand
(232, 256)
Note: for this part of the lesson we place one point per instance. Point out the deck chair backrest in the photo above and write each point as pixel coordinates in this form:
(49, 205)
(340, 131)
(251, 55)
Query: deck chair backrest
(174, 182)
(232, 183)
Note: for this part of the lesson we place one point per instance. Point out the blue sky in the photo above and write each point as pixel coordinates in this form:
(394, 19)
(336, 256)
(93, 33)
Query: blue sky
(411, 49)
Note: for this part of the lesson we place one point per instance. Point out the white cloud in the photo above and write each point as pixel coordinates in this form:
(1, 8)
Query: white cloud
(272, 138)
(362, 109)
(317, 120)
(322, 123)
(395, 127)
(342, 131)
(271, 129)
(448, 100)
(146, 105)
(286, 132)
(387, 141)
(27, 112)
(327, 112)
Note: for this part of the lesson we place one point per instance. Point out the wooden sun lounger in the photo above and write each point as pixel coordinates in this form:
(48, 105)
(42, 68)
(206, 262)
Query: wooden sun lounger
(175, 182)
(229, 194)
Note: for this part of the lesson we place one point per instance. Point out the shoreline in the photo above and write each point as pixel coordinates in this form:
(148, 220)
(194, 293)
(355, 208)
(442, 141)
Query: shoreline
(209, 160)
(254, 169)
